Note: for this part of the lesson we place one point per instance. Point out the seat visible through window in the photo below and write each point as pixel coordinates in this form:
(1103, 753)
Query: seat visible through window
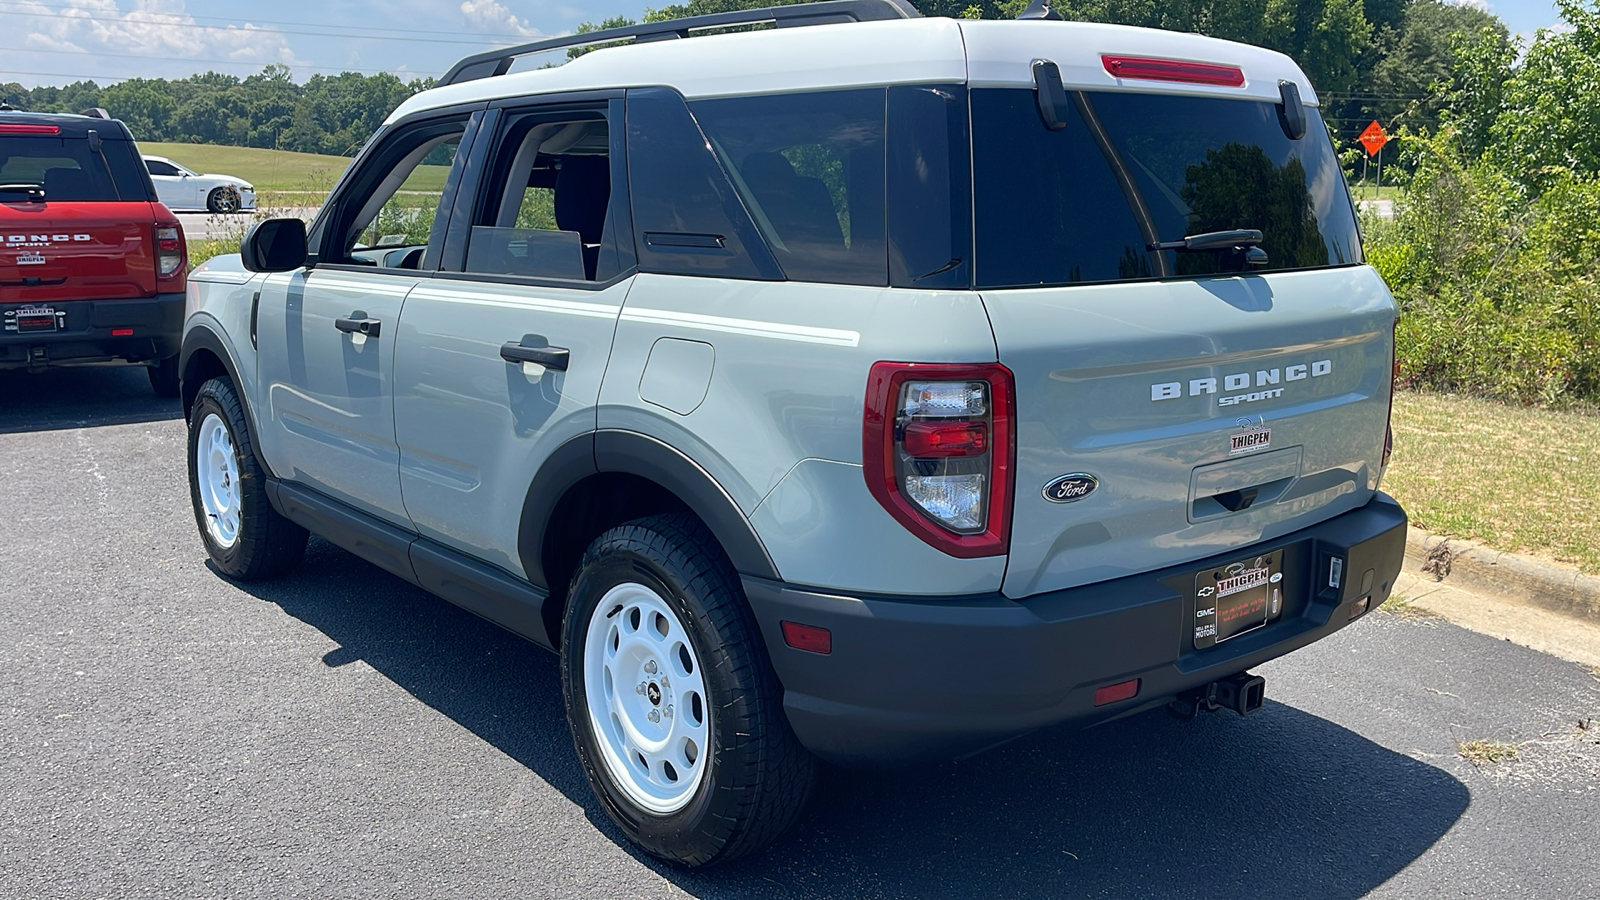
(799, 208)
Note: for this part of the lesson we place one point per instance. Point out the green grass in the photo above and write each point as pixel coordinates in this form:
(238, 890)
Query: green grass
(1483, 751)
(268, 170)
(1370, 191)
(1515, 478)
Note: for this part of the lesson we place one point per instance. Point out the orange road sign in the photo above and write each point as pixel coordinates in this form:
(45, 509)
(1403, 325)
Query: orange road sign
(1373, 138)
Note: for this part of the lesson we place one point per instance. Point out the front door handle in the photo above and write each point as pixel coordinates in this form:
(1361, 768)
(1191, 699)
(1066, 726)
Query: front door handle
(348, 325)
(549, 357)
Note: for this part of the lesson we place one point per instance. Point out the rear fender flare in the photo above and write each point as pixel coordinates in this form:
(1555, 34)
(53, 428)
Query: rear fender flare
(649, 458)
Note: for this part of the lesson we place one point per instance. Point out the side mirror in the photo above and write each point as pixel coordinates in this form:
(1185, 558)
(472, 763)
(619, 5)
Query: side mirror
(274, 245)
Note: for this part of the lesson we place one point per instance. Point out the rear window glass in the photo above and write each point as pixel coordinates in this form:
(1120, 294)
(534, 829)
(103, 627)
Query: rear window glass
(67, 170)
(1083, 204)
(810, 169)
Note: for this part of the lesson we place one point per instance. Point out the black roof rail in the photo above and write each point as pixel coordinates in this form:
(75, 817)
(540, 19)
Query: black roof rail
(96, 112)
(497, 62)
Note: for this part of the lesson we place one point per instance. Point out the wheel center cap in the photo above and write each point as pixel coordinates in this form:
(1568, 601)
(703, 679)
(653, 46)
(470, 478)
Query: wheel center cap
(654, 693)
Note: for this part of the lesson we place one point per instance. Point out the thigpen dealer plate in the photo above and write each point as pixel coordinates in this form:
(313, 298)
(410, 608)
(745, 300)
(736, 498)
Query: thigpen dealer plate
(1237, 598)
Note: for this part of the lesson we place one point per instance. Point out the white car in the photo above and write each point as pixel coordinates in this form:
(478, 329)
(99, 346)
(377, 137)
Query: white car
(183, 188)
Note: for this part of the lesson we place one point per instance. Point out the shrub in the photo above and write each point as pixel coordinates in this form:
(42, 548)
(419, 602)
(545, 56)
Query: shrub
(1497, 289)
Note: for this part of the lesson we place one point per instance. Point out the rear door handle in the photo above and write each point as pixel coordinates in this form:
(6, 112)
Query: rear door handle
(368, 327)
(549, 357)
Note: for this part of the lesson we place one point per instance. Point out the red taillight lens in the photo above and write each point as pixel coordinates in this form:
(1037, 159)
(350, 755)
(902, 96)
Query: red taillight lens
(29, 129)
(169, 250)
(1149, 69)
(937, 440)
(937, 450)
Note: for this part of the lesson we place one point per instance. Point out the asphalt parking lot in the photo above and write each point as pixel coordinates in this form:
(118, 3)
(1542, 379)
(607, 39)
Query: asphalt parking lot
(167, 733)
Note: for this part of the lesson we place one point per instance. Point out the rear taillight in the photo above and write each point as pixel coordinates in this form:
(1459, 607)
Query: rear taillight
(937, 447)
(169, 250)
(1149, 69)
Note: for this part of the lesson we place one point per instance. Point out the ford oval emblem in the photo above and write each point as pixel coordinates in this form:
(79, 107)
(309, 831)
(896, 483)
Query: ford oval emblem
(1072, 487)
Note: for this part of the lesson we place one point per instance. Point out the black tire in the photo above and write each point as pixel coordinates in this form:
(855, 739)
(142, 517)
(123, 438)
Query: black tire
(164, 377)
(266, 544)
(758, 778)
(223, 200)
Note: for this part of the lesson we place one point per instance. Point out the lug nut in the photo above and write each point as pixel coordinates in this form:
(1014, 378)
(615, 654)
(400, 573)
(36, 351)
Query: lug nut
(640, 689)
(668, 712)
(654, 716)
(664, 682)
(650, 667)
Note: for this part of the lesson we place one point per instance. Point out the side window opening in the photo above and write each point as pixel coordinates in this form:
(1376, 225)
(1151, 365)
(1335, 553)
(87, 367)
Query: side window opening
(547, 201)
(402, 212)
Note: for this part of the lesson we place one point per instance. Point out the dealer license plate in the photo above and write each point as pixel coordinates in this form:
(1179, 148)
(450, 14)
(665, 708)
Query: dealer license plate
(30, 319)
(1237, 598)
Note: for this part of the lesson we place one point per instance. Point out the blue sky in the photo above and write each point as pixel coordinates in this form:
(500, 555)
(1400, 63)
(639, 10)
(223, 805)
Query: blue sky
(58, 41)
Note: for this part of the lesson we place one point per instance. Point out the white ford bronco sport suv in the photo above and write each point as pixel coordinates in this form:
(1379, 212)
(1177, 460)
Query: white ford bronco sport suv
(882, 388)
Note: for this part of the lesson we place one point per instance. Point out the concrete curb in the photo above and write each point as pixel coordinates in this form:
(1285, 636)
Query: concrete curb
(1504, 576)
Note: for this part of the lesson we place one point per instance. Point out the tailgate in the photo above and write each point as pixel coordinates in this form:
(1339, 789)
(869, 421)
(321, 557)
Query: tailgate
(1213, 413)
(76, 251)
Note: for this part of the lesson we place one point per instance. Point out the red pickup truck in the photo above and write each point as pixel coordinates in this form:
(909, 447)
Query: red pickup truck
(92, 266)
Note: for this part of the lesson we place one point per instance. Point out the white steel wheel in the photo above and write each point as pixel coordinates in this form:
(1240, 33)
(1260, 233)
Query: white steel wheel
(217, 477)
(646, 698)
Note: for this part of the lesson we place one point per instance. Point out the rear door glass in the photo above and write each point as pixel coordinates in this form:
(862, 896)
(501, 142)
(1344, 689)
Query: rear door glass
(1083, 204)
(68, 171)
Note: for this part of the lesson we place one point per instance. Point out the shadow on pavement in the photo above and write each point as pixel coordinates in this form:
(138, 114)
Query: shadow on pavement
(1284, 804)
(81, 397)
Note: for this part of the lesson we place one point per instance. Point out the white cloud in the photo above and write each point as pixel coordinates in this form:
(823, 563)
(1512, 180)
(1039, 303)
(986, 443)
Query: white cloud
(161, 30)
(492, 16)
(1480, 5)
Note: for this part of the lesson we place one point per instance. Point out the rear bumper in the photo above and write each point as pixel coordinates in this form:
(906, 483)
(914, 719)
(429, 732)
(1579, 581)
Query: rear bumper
(156, 322)
(942, 677)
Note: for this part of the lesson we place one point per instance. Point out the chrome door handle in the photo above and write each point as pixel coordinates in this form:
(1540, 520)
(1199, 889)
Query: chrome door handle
(368, 327)
(549, 357)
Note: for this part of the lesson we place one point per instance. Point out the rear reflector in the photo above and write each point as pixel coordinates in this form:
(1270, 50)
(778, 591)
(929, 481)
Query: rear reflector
(1112, 693)
(15, 128)
(1173, 70)
(122, 332)
(809, 638)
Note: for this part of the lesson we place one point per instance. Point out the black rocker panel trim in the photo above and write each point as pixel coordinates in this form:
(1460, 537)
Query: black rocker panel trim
(481, 590)
(478, 588)
(379, 543)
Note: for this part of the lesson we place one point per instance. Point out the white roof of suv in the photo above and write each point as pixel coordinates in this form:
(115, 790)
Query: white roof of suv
(906, 51)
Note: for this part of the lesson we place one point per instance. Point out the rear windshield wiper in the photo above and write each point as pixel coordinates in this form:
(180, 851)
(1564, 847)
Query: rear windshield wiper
(34, 191)
(1241, 241)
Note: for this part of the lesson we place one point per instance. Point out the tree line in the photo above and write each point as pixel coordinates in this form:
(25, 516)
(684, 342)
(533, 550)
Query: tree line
(1390, 60)
(327, 114)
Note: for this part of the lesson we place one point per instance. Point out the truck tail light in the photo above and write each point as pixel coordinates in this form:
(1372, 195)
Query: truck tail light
(169, 250)
(937, 448)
